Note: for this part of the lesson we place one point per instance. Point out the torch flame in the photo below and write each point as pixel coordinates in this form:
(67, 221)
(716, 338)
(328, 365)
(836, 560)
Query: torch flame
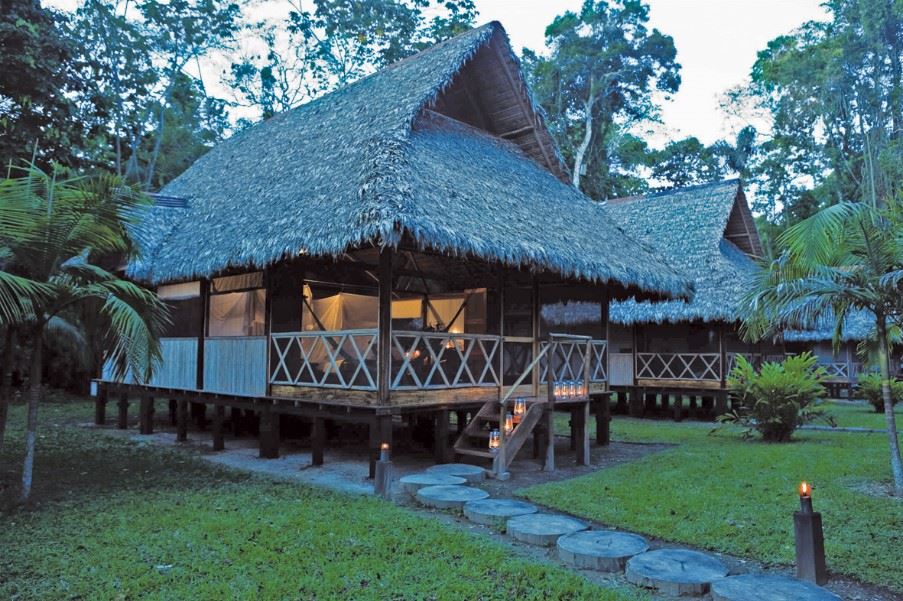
(805, 489)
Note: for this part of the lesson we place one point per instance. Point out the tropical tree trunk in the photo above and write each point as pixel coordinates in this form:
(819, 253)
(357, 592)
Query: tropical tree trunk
(6, 363)
(34, 396)
(587, 137)
(896, 464)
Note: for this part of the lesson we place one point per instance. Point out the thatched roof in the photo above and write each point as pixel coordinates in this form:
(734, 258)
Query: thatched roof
(857, 326)
(374, 162)
(706, 232)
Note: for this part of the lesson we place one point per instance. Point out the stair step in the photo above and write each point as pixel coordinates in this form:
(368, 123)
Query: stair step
(474, 452)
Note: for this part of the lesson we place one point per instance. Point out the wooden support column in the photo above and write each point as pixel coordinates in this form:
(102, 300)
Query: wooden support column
(722, 351)
(678, 407)
(219, 416)
(317, 440)
(205, 310)
(534, 309)
(146, 415)
(182, 421)
(173, 407)
(692, 411)
(269, 434)
(440, 445)
(572, 426)
(581, 429)
(603, 421)
(384, 325)
(100, 406)
(123, 418)
(460, 422)
(548, 416)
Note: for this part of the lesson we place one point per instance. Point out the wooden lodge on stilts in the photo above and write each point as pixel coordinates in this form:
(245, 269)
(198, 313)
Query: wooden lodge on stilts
(664, 352)
(382, 256)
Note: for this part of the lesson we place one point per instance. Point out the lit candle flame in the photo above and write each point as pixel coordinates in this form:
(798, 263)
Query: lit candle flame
(805, 489)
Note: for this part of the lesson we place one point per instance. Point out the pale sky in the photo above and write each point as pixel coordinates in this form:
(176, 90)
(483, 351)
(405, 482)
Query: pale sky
(716, 40)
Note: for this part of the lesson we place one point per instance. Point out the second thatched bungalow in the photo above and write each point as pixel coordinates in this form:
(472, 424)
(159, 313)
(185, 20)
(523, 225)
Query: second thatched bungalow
(665, 350)
(381, 256)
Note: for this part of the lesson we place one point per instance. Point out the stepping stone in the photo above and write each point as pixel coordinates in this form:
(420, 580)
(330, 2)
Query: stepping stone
(445, 496)
(411, 484)
(675, 572)
(768, 587)
(494, 512)
(472, 473)
(602, 550)
(542, 528)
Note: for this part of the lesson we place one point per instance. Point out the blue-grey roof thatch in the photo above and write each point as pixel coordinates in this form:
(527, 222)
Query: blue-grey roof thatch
(856, 326)
(698, 230)
(371, 163)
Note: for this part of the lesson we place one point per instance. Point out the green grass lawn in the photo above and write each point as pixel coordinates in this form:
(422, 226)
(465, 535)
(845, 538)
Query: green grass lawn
(720, 492)
(119, 520)
(861, 415)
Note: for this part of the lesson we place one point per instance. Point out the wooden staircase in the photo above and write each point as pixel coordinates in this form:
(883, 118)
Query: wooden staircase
(474, 439)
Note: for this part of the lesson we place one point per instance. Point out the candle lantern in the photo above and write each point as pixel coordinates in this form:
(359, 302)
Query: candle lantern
(384, 452)
(810, 539)
(494, 441)
(509, 424)
(556, 390)
(572, 389)
(584, 388)
(520, 409)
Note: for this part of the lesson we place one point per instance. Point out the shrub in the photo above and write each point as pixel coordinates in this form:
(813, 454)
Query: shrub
(777, 399)
(870, 389)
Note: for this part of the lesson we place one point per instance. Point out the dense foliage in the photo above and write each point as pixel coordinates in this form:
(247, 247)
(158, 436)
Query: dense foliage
(869, 387)
(778, 398)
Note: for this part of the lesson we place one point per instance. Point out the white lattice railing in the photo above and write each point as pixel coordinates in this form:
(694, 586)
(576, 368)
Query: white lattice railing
(438, 360)
(569, 356)
(340, 359)
(420, 360)
(704, 367)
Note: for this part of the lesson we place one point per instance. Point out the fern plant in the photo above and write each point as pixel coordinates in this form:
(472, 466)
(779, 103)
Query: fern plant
(777, 399)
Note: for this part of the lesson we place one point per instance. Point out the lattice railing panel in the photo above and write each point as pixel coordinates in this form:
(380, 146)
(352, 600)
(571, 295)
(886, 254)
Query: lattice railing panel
(340, 359)
(437, 360)
(705, 367)
(568, 359)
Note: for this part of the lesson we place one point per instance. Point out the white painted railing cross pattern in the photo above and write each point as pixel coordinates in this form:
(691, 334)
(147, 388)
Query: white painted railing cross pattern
(341, 359)
(443, 351)
(679, 366)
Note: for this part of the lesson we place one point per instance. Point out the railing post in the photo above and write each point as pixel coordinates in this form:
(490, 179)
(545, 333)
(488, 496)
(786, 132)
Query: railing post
(550, 409)
(205, 308)
(384, 324)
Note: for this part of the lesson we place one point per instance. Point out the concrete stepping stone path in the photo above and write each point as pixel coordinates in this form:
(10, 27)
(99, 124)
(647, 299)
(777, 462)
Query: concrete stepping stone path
(446, 496)
(601, 550)
(495, 512)
(414, 482)
(472, 473)
(676, 572)
(768, 587)
(542, 529)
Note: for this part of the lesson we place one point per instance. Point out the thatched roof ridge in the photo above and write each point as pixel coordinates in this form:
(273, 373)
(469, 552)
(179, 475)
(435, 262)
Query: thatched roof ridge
(689, 228)
(369, 164)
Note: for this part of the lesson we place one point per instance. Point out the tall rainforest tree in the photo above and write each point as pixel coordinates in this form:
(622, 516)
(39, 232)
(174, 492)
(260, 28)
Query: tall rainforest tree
(834, 93)
(54, 231)
(326, 44)
(37, 111)
(601, 76)
(845, 258)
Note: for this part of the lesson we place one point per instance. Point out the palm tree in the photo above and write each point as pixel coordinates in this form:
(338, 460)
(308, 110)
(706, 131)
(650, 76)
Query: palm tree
(55, 230)
(845, 258)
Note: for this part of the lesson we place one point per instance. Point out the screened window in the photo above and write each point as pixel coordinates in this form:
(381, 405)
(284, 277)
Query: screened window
(237, 306)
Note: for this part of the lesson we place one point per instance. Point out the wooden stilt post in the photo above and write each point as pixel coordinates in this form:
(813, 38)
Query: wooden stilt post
(582, 431)
(100, 406)
(548, 416)
(692, 411)
(573, 426)
(461, 421)
(603, 421)
(317, 440)
(182, 421)
(173, 407)
(678, 407)
(374, 445)
(123, 418)
(440, 446)
(269, 434)
(219, 416)
(146, 415)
